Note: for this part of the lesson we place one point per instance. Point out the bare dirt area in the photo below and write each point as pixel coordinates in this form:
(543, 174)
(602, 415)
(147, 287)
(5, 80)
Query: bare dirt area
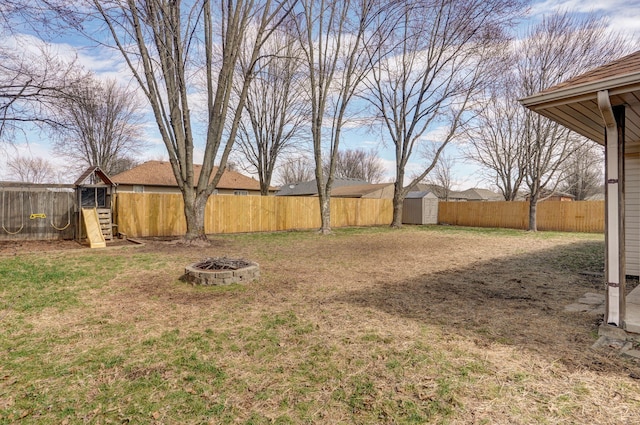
(25, 247)
(376, 326)
(8, 248)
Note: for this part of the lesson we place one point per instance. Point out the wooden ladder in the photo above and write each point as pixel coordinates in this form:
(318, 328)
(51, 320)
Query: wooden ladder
(104, 217)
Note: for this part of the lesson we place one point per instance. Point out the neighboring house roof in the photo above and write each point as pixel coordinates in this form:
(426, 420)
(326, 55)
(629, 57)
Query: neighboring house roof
(428, 187)
(159, 173)
(574, 103)
(546, 194)
(363, 190)
(595, 197)
(310, 188)
(473, 194)
(477, 194)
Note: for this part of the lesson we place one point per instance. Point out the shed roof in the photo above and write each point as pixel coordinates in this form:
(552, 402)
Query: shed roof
(574, 103)
(159, 173)
(420, 194)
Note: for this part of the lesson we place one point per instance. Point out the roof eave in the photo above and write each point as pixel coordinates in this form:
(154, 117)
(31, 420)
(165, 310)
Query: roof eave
(586, 91)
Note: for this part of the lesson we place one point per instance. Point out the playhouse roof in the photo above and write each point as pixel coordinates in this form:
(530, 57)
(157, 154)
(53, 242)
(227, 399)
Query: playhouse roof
(96, 172)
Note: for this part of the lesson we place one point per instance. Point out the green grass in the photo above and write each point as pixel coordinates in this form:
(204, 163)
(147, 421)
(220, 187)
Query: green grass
(35, 286)
(275, 238)
(499, 232)
(243, 354)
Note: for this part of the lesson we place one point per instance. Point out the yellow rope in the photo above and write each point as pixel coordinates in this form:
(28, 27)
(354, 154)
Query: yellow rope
(68, 217)
(21, 215)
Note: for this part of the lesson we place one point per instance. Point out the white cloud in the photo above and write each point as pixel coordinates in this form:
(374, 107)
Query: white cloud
(105, 63)
(623, 15)
(389, 170)
(436, 135)
(580, 6)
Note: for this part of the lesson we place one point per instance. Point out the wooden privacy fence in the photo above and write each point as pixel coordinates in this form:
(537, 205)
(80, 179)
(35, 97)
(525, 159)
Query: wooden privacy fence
(37, 213)
(159, 214)
(581, 216)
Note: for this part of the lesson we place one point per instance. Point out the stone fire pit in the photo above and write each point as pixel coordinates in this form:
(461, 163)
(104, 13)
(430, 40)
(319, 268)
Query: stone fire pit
(221, 271)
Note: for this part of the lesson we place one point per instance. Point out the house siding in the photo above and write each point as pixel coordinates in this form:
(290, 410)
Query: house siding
(632, 208)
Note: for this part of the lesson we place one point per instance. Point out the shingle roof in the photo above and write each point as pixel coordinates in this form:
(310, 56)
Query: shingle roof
(574, 103)
(473, 194)
(357, 191)
(311, 188)
(159, 173)
(626, 65)
(477, 194)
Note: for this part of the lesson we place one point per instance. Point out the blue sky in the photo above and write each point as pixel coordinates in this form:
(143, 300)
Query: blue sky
(622, 15)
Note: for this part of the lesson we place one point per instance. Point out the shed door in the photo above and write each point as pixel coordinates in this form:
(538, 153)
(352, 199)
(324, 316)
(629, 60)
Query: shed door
(430, 208)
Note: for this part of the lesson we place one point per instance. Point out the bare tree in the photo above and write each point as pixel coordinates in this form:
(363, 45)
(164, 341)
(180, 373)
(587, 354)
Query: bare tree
(275, 107)
(122, 164)
(520, 149)
(494, 139)
(442, 176)
(436, 60)
(32, 81)
(40, 16)
(560, 47)
(582, 173)
(162, 41)
(32, 77)
(100, 126)
(332, 36)
(30, 170)
(295, 170)
(357, 164)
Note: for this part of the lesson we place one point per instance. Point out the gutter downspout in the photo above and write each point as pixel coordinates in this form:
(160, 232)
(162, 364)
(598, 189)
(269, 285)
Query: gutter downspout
(614, 214)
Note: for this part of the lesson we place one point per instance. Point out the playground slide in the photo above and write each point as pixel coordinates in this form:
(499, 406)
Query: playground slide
(92, 226)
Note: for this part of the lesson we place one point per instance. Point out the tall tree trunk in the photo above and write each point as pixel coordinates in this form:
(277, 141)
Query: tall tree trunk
(325, 212)
(398, 200)
(194, 210)
(264, 188)
(533, 206)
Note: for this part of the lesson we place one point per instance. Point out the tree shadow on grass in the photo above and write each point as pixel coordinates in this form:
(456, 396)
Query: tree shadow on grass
(518, 300)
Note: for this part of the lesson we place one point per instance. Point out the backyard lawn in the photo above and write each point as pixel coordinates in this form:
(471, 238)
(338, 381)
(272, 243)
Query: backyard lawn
(423, 325)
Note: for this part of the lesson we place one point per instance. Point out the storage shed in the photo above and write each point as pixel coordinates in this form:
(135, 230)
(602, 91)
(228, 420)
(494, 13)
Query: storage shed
(420, 208)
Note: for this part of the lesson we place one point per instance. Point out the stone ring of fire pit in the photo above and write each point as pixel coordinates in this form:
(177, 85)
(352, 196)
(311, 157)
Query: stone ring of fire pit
(221, 271)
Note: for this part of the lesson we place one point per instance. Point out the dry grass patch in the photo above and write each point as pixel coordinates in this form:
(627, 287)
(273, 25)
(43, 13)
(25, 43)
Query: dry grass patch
(423, 325)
